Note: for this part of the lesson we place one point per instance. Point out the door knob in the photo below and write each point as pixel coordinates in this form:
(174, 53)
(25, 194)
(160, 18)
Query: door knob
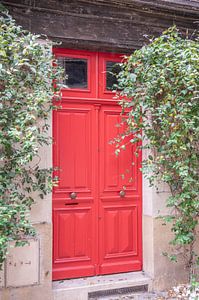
(73, 195)
(122, 194)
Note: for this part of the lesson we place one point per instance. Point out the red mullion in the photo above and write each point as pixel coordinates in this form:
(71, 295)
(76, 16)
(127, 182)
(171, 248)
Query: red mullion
(91, 91)
(96, 206)
(103, 58)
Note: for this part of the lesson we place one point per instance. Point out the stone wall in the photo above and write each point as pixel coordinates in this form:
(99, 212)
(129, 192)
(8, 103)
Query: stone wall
(156, 237)
(27, 270)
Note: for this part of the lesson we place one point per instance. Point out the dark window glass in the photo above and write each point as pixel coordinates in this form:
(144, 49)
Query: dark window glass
(75, 70)
(112, 70)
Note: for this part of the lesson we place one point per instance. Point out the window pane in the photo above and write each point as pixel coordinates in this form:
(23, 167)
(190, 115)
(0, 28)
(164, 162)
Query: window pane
(75, 72)
(112, 70)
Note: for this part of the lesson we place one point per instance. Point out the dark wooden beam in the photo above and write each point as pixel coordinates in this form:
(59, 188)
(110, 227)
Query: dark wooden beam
(101, 24)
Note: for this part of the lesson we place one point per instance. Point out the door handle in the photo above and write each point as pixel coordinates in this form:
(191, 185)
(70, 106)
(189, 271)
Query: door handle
(73, 195)
(122, 193)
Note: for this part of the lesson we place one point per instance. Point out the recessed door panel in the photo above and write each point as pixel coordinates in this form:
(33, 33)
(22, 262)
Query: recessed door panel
(120, 231)
(73, 140)
(117, 172)
(74, 235)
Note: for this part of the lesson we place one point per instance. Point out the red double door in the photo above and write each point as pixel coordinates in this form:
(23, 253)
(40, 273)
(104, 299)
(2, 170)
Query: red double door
(97, 202)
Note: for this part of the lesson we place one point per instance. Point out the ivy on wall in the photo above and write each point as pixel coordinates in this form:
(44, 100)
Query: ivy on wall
(26, 91)
(159, 84)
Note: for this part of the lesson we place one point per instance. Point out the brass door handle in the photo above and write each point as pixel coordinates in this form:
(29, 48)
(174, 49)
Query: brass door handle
(122, 194)
(73, 195)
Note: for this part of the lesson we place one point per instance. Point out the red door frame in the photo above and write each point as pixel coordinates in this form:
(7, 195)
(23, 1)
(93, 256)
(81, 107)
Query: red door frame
(93, 99)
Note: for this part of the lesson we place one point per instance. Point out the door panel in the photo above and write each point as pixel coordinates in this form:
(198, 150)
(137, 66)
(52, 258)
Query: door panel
(73, 142)
(72, 222)
(74, 219)
(120, 199)
(116, 171)
(120, 235)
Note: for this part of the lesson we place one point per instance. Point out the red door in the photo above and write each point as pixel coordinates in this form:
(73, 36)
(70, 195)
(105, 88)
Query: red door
(97, 202)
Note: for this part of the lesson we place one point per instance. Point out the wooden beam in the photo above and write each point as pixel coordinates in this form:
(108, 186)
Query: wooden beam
(101, 24)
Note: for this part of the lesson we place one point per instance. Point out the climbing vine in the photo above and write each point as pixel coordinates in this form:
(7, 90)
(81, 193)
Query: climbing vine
(26, 91)
(159, 85)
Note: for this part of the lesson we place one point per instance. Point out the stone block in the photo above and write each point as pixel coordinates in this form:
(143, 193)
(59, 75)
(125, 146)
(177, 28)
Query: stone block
(148, 245)
(44, 288)
(154, 199)
(70, 295)
(41, 210)
(2, 277)
(166, 273)
(44, 233)
(22, 265)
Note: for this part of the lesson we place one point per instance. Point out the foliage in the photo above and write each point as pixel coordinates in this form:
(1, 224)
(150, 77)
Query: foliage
(26, 91)
(159, 84)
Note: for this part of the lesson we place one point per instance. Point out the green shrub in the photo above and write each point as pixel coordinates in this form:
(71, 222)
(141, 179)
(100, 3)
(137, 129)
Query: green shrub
(160, 86)
(26, 91)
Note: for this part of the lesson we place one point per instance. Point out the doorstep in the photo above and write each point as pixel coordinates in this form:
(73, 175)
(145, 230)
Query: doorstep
(98, 286)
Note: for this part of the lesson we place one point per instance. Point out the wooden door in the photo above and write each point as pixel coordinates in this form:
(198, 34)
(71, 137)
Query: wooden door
(74, 198)
(119, 198)
(97, 202)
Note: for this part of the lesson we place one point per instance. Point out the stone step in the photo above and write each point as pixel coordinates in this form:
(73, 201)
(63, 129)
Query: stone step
(134, 296)
(97, 287)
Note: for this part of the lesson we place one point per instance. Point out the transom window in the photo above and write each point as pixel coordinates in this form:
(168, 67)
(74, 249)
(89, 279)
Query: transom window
(112, 70)
(88, 74)
(76, 72)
